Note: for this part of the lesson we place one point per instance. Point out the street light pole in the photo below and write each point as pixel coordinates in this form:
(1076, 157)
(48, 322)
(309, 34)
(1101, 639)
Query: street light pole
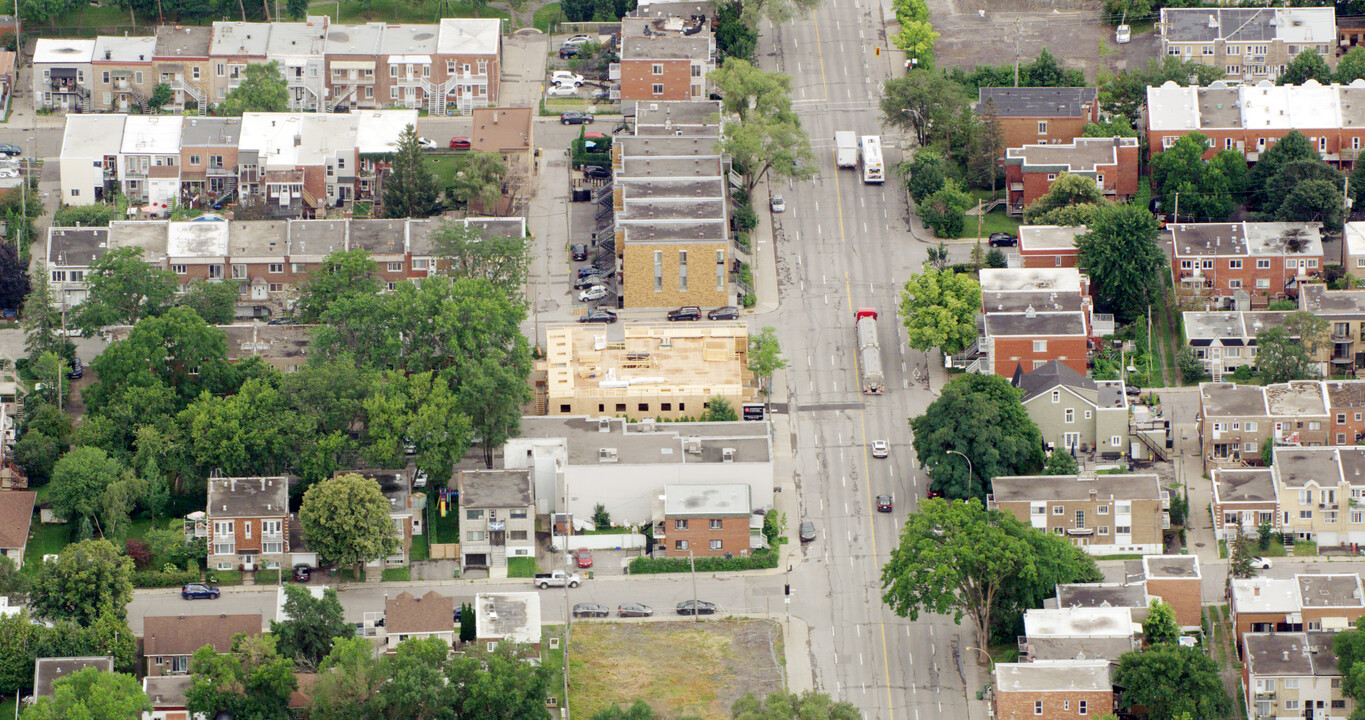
(969, 469)
(692, 561)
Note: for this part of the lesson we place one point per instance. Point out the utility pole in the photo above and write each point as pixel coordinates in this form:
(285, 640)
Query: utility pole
(978, 209)
(1018, 31)
(1175, 216)
(692, 560)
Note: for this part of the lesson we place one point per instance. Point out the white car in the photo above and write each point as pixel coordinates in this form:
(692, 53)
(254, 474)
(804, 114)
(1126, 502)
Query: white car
(1260, 563)
(419, 479)
(880, 448)
(561, 91)
(426, 143)
(596, 292)
(564, 77)
(1123, 34)
(9, 172)
(778, 204)
(577, 40)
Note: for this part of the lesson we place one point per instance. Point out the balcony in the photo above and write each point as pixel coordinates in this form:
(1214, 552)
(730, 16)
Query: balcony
(1102, 324)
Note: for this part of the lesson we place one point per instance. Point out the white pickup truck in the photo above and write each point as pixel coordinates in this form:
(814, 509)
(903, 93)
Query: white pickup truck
(556, 579)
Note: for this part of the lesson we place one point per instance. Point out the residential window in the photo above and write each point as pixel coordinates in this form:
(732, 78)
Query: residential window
(473, 514)
(1058, 510)
(1207, 49)
(679, 524)
(178, 269)
(1070, 416)
(58, 276)
(238, 271)
(1115, 441)
(1251, 426)
(396, 266)
(518, 514)
(680, 545)
(682, 271)
(475, 536)
(276, 287)
(215, 271)
(1037, 707)
(1051, 177)
(516, 534)
(717, 545)
(246, 528)
(715, 524)
(221, 71)
(1322, 144)
(194, 159)
(658, 69)
(1080, 518)
(1123, 529)
(1102, 510)
(137, 77)
(194, 72)
(1261, 283)
(658, 89)
(658, 271)
(275, 267)
(1234, 264)
(1056, 396)
(1042, 127)
(1039, 346)
(1262, 264)
(421, 263)
(1088, 414)
(1291, 683)
(1081, 704)
(1104, 530)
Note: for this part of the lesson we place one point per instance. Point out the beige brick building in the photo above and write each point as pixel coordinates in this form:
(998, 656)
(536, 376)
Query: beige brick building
(1301, 603)
(1104, 514)
(1318, 491)
(1248, 44)
(1288, 676)
(665, 371)
(1056, 690)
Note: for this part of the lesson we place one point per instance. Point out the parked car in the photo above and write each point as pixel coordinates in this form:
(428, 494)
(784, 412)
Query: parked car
(77, 370)
(9, 172)
(687, 312)
(596, 292)
(568, 51)
(302, 573)
(427, 143)
(587, 270)
(1002, 239)
(460, 143)
(596, 171)
(807, 531)
(559, 91)
(588, 281)
(729, 312)
(578, 251)
(696, 607)
(558, 578)
(11, 150)
(634, 609)
(1260, 563)
(281, 321)
(578, 40)
(590, 610)
(584, 557)
(196, 591)
(573, 117)
(880, 448)
(884, 503)
(932, 493)
(419, 479)
(777, 204)
(564, 77)
(599, 315)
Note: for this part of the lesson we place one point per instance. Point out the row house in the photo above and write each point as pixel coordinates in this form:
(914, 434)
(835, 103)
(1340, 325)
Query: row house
(1236, 419)
(1343, 351)
(122, 79)
(149, 160)
(1040, 115)
(1177, 581)
(296, 47)
(1048, 246)
(1251, 118)
(62, 74)
(1248, 44)
(208, 159)
(1319, 491)
(181, 62)
(1303, 603)
(1031, 316)
(247, 520)
(1244, 499)
(1079, 633)
(1054, 690)
(89, 160)
(665, 59)
(1112, 163)
(1226, 340)
(1245, 263)
(1293, 675)
(1104, 514)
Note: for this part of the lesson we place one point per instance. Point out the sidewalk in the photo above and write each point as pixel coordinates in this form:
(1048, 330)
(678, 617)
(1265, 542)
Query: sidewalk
(764, 246)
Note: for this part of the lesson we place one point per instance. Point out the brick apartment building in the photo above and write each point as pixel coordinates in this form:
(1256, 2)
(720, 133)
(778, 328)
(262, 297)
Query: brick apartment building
(1247, 262)
(1033, 316)
(665, 58)
(1176, 581)
(248, 521)
(1053, 690)
(1049, 246)
(705, 520)
(1041, 115)
(1103, 514)
(1243, 500)
(1236, 419)
(1112, 163)
(1293, 675)
(1307, 602)
(1248, 44)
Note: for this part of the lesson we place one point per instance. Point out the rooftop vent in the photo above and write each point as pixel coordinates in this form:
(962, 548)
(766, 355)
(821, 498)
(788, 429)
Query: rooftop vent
(727, 455)
(606, 455)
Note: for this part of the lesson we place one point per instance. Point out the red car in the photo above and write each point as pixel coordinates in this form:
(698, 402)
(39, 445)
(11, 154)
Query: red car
(584, 558)
(460, 143)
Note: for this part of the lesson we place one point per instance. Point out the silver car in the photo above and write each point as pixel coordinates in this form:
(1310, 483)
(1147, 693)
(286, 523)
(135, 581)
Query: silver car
(807, 531)
(778, 204)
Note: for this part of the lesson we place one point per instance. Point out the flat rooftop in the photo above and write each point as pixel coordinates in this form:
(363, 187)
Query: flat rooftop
(1054, 676)
(49, 670)
(1170, 567)
(680, 112)
(1038, 488)
(666, 146)
(1109, 649)
(93, 136)
(1049, 238)
(1330, 591)
(707, 501)
(1291, 654)
(651, 167)
(658, 359)
(1049, 102)
(1296, 398)
(513, 616)
(1317, 299)
(671, 209)
(1298, 466)
(1080, 622)
(1083, 155)
(1230, 327)
(211, 132)
(265, 239)
(1265, 595)
(268, 342)
(383, 238)
(174, 41)
(206, 240)
(1041, 301)
(1039, 323)
(1246, 239)
(1232, 400)
(1231, 485)
(655, 188)
(248, 497)
(76, 247)
(1031, 280)
(1104, 595)
(495, 489)
(665, 47)
(652, 443)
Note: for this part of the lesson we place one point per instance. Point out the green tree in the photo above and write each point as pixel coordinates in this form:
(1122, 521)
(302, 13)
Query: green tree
(749, 91)
(1112, 127)
(417, 687)
(13, 584)
(1169, 680)
(310, 627)
(88, 580)
(344, 274)
(123, 288)
(1349, 647)
(1045, 71)
(774, 144)
(1067, 191)
(718, 409)
(250, 681)
(1056, 561)
(497, 684)
(91, 694)
(1160, 627)
(926, 173)
(296, 9)
(477, 176)
(980, 416)
(924, 103)
(346, 520)
(953, 557)
(1351, 66)
(1203, 189)
(263, 89)
(348, 681)
(916, 38)
(215, 302)
(765, 356)
(14, 282)
(1281, 357)
(734, 38)
(79, 481)
(1313, 201)
(1293, 146)
(1310, 330)
(778, 12)
(251, 433)
(945, 211)
(1191, 367)
(986, 148)
(177, 351)
(424, 410)
(41, 318)
(161, 96)
(492, 395)
(938, 309)
(467, 251)
(1060, 462)
(1294, 173)
(409, 187)
(1126, 93)
(37, 454)
(809, 705)
(1307, 65)
(1121, 256)
(469, 629)
(639, 711)
(1239, 563)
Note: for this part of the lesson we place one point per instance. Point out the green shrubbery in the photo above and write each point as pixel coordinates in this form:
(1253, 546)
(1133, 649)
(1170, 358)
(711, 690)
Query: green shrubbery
(168, 576)
(759, 560)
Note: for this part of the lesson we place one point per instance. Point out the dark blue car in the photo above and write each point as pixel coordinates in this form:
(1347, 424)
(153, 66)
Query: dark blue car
(199, 591)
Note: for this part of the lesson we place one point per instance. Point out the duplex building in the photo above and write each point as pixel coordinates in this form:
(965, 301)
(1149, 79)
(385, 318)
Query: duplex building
(181, 61)
(580, 462)
(706, 521)
(1049, 246)
(1245, 262)
(1054, 690)
(1076, 415)
(1309, 602)
(1287, 676)
(248, 522)
(1112, 163)
(61, 74)
(47, 671)
(1224, 341)
(665, 58)
(656, 371)
(1104, 514)
(1318, 490)
(1236, 419)
(497, 517)
(1040, 116)
(1031, 316)
(1244, 499)
(1248, 44)
(169, 641)
(1343, 351)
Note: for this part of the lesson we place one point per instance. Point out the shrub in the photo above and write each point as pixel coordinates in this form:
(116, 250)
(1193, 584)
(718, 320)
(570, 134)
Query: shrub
(745, 218)
(759, 560)
(137, 550)
(168, 576)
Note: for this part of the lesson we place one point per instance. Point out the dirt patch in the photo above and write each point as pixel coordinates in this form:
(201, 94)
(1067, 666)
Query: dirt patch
(680, 668)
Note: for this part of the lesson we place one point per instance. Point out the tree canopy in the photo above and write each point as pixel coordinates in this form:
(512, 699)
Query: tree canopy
(1121, 255)
(1160, 627)
(263, 89)
(123, 288)
(1067, 191)
(346, 520)
(91, 694)
(1169, 680)
(1208, 190)
(938, 309)
(90, 579)
(981, 417)
(249, 681)
(343, 275)
(809, 705)
(1292, 146)
(1307, 65)
(924, 103)
(309, 626)
(467, 251)
(409, 187)
(1280, 357)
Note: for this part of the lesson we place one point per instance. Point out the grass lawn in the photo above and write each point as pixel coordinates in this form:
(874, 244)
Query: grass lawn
(421, 549)
(226, 577)
(443, 529)
(45, 540)
(1305, 548)
(994, 221)
(546, 18)
(553, 658)
(521, 567)
(444, 168)
(267, 577)
(398, 574)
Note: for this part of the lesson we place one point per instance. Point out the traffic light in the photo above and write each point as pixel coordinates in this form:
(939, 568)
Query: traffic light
(879, 51)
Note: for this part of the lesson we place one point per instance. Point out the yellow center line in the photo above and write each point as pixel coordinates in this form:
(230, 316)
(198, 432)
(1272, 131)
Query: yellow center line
(862, 426)
(823, 82)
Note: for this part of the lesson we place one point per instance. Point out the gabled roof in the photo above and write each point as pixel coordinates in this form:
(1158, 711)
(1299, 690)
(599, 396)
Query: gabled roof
(184, 634)
(1049, 376)
(430, 613)
(16, 515)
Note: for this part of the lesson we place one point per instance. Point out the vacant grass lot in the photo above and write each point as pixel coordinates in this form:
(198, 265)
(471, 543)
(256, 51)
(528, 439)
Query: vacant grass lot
(680, 668)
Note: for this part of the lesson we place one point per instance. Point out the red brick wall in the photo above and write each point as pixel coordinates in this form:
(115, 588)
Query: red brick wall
(1011, 351)
(638, 80)
(1048, 259)
(1057, 705)
(734, 537)
(1223, 271)
(1183, 597)
(1350, 428)
(1024, 131)
(1337, 139)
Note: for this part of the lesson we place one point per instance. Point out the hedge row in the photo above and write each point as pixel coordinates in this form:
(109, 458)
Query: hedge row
(759, 560)
(169, 576)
